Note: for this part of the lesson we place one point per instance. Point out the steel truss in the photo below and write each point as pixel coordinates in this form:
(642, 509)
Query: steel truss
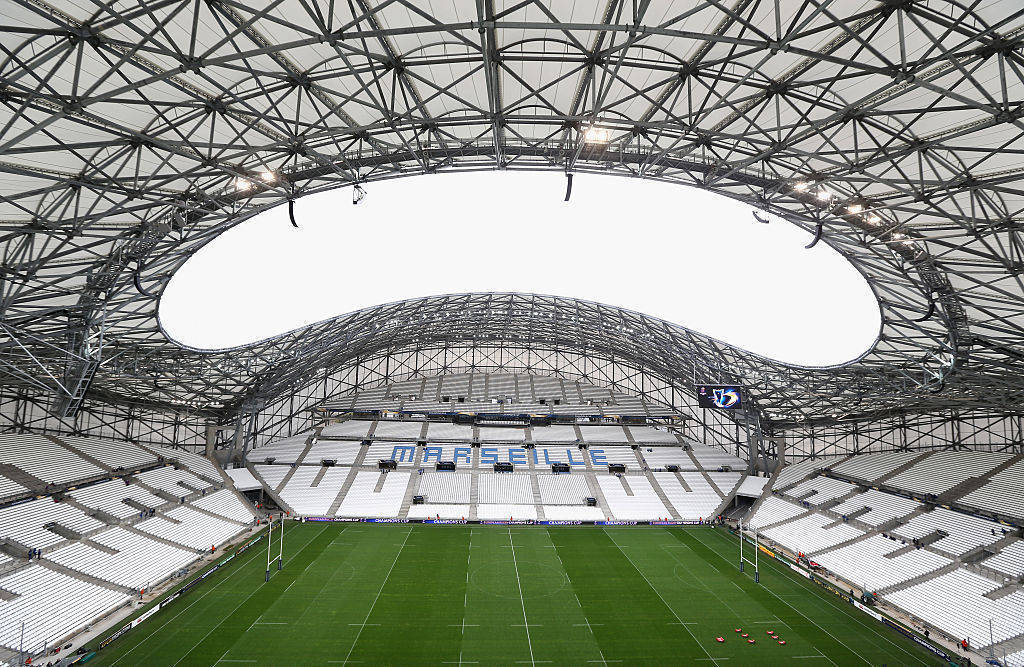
(134, 132)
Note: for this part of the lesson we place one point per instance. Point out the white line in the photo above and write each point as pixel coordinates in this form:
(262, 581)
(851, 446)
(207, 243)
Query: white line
(379, 591)
(515, 563)
(238, 606)
(663, 601)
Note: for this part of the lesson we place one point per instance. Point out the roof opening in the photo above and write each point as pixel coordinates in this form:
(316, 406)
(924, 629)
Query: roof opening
(685, 255)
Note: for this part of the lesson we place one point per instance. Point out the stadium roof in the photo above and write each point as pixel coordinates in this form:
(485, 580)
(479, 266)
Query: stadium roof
(133, 132)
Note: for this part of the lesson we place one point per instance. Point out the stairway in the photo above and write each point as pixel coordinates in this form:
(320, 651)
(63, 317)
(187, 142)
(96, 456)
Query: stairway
(474, 488)
(161, 540)
(661, 495)
(538, 503)
(270, 492)
(16, 474)
(356, 465)
(602, 502)
(846, 543)
(410, 490)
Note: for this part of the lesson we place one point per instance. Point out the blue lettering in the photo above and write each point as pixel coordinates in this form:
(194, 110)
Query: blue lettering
(517, 455)
(535, 461)
(400, 452)
(488, 455)
(572, 461)
(463, 453)
(548, 460)
(429, 452)
(598, 458)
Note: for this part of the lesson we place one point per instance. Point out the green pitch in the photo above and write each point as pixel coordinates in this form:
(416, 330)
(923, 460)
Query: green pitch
(419, 594)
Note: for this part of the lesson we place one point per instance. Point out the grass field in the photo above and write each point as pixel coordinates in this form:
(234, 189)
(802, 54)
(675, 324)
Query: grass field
(429, 594)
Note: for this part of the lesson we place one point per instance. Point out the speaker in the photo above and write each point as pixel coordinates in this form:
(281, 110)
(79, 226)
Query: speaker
(328, 462)
(616, 467)
(387, 464)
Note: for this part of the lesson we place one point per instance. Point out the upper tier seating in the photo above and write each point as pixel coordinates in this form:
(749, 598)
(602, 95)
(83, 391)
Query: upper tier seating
(964, 532)
(41, 457)
(773, 510)
(25, 522)
(342, 453)
(402, 452)
(501, 434)
(199, 465)
(864, 563)
(1002, 494)
(449, 431)
(603, 455)
(712, 458)
(820, 490)
(563, 489)
(1014, 659)
(113, 453)
(226, 504)
(1010, 560)
(445, 487)
(109, 497)
(884, 506)
(659, 457)
(51, 605)
(300, 494)
(139, 562)
(362, 500)
(356, 430)
(272, 474)
(869, 467)
(640, 503)
(288, 450)
(797, 471)
(699, 502)
(398, 430)
(611, 433)
(809, 534)
(955, 603)
(505, 488)
(651, 434)
(945, 469)
(557, 433)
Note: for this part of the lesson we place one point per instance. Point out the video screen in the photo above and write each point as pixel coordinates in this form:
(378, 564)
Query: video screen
(719, 396)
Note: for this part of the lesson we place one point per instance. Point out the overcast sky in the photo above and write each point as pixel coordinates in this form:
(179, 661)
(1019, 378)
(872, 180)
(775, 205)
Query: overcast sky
(684, 255)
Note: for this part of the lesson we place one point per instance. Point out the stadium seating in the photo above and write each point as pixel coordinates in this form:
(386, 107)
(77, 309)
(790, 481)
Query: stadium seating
(882, 507)
(699, 502)
(226, 504)
(303, 497)
(505, 488)
(445, 487)
(631, 498)
(1009, 561)
(9, 488)
(178, 483)
(288, 450)
(42, 458)
(865, 563)
(659, 457)
(820, 490)
(399, 430)
(109, 497)
(797, 471)
(113, 453)
(956, 603)
(712, 458)
(440, 511)
(773, 510)
(375, 495)
(563, 489)
(342, 453)
(573, 513)
(51, 605)
(506, 511)
(138, 562)
(26, 522)
(943, 470)
(811, 534)
(198, 465)
(963, 532)
(190, 528)
(1002, 494)
(869, 467)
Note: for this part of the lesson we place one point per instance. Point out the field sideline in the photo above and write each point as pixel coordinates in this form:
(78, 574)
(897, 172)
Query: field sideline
(415, 594)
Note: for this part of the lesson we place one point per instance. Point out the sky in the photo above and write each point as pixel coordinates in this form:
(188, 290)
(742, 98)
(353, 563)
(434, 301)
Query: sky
(688, 256)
